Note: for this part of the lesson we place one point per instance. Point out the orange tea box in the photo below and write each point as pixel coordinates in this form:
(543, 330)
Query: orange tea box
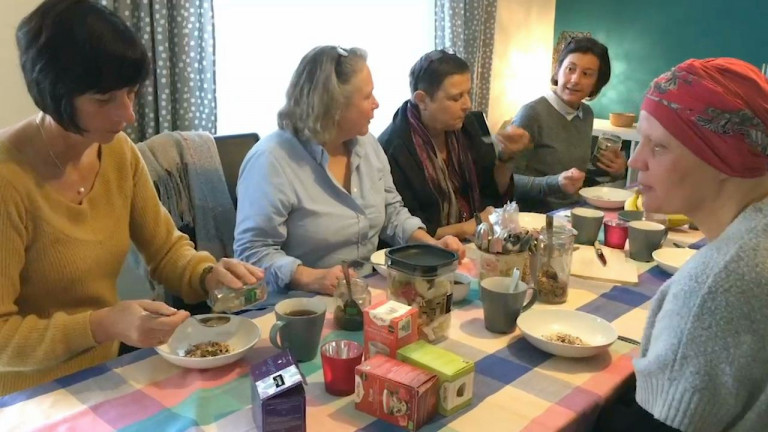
(387, 327)
(396, 392)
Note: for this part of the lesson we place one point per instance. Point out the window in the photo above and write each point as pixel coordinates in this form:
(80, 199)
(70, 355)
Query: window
(259, 44)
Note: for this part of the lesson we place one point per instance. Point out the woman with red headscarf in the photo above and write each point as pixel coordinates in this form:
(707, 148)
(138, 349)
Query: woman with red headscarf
(704, 152)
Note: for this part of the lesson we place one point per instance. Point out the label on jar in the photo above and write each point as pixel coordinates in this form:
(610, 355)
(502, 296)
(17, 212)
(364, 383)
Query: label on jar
(604, 143)
(434, 307)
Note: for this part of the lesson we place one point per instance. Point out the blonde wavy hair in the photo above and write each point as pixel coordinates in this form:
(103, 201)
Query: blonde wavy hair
(318, 92)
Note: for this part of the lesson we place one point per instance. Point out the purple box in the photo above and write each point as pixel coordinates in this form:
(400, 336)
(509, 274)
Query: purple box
(277, 395)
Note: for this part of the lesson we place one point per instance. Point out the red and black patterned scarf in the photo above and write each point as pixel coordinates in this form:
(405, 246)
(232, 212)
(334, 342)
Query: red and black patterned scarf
(453, 181)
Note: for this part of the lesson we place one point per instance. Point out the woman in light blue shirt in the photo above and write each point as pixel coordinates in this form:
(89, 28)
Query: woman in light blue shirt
(319, 190)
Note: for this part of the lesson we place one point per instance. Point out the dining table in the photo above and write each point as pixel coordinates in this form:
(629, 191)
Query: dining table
(517, 387)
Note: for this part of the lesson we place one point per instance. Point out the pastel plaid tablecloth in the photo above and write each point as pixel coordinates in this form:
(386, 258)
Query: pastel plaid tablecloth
(517, 387)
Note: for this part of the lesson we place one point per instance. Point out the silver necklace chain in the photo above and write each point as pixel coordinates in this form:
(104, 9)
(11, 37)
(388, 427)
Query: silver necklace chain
(81, 189)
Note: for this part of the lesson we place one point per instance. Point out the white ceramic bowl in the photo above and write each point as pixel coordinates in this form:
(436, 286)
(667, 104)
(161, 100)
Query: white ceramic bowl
(605, 197)
(461, 282)
(671, 259)
(379, 261)
(596, 332)
(240, 333)
(532, 220)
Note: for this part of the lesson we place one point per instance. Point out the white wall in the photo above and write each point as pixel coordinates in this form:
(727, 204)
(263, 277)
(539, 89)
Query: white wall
(522, 56)
(15, 103)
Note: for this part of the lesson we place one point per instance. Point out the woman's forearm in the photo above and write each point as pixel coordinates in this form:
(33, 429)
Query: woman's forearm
(459, 230)
(502, 173)
(421, 236)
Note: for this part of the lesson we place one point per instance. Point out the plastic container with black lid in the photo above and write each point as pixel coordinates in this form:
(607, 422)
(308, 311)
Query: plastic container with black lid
(421, 275)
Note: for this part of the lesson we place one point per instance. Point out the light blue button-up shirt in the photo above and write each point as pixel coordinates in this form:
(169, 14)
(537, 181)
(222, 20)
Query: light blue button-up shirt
(292, 211)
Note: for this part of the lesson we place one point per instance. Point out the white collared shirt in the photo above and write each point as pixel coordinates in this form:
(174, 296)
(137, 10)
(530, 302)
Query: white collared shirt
(561, 107)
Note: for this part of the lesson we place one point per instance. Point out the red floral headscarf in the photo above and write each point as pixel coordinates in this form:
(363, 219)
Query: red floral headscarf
(718, 109)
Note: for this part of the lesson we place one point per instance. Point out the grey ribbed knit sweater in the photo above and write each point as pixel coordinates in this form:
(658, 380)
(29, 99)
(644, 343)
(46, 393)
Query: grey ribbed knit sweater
(559, 144)
(704, 359)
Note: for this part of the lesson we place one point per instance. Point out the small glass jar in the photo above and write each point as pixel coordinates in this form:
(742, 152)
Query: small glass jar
(350, 319)
(604, 142)
(228, 300)
(552, 277)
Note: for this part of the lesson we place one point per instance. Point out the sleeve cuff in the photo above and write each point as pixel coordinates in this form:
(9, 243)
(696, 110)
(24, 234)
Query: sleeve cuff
(194, 291)
(407, 228)
(678, 407)
(552, 185)
(76, 331)
(280, 273)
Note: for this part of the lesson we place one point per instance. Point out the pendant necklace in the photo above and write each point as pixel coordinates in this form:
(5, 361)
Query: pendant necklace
(81, 189)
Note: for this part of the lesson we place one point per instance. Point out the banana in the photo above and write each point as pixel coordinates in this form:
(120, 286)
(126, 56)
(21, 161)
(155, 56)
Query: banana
(677, 220)
(635, 202)
(631, 202)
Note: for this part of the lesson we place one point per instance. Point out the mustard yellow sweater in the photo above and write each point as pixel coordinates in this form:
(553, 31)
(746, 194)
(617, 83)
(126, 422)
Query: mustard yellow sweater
(59, 261)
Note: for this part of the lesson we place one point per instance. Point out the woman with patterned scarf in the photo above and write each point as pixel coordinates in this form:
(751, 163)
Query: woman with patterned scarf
(445, 172)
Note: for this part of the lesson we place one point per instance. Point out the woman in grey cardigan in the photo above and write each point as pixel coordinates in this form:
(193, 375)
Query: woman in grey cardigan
(704, 153)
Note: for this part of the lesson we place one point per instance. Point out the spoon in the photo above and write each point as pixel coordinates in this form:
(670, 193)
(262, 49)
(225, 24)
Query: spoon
(483, 234)
(549, 271)
(209, 321)
(515, 280)
(212, 321)
(351, 308)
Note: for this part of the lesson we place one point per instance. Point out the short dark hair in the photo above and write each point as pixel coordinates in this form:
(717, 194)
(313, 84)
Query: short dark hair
(587, 45)
(69, 48)
(433, 68)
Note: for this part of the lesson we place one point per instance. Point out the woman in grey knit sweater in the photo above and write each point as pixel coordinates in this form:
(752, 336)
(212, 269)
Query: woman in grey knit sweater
(703, 365)
(560, 126)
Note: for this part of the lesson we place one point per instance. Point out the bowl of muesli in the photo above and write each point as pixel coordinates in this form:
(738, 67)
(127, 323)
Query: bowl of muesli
(196, 346)
(566, 333)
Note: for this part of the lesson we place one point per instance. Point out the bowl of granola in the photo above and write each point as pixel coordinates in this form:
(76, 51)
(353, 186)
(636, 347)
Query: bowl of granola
(566, 333)
(196, 346)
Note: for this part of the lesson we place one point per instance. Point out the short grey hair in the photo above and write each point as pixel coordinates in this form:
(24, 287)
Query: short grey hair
(318, 92)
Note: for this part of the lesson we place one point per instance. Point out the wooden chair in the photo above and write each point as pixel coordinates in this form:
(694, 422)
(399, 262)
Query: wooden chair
(232, 150)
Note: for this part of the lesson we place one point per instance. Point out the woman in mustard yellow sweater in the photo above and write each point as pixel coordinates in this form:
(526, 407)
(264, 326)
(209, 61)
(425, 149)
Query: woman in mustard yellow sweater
(75, 193)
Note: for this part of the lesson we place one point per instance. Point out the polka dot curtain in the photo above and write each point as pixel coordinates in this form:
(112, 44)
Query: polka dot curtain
(468, 27)
(180, 93)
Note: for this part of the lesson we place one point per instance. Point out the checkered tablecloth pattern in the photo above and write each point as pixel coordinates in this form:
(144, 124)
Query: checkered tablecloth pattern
(517, 387)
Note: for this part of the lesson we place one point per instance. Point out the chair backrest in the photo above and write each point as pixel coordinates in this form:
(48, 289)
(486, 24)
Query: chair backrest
(232, 150)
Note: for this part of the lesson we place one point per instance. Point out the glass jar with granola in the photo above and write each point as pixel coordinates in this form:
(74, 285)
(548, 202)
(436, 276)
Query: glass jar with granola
(553, 267)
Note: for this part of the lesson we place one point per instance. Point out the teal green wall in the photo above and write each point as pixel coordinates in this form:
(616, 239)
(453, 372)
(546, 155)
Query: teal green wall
(648, 37)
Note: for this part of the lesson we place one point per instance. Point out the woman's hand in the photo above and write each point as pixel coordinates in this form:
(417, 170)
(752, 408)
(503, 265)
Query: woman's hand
(571, 180)
(452, 244)
(512, 140)
(613, 161)
(232, 273)
(139, 323)
(469, 226)
(321, 281)
(448, 242)
(486, 214)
